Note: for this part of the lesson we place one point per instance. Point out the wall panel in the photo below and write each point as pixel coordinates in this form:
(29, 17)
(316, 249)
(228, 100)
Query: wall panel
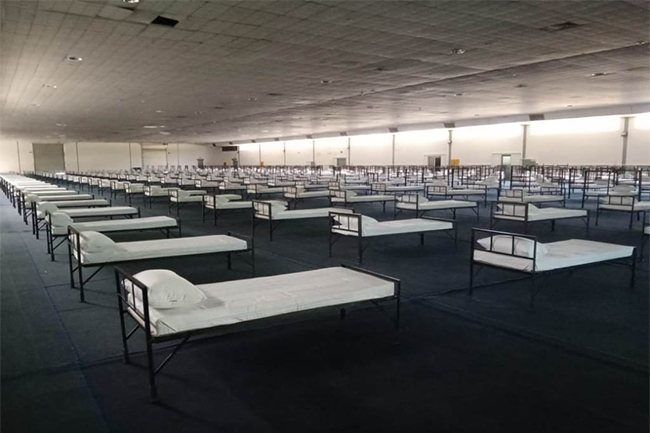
(412, 148)
(375, 149)
(299, 152)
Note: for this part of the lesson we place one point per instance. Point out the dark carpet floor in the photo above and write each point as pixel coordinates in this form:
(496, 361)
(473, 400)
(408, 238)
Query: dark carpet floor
(579, 362)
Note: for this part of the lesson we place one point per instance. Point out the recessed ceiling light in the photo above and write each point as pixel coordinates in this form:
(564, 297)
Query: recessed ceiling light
(164, 132)
(326, 81)
(458, 94)
(61, 124)
(74, 59)
(131, 2)
(150, 127)
(265, 130)
(50, 86)
(599, 74)
(457, 51)
(160, 111)
(274, 94)
(520, 86)
(218, 107)
(252, 99)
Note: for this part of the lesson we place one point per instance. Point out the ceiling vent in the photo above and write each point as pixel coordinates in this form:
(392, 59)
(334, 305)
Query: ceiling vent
(229, 148)
(536, 117)
(568, 25)
(162, 21)
(450, 125)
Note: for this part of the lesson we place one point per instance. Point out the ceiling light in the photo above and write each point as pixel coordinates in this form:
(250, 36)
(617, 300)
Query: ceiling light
(599, 74)
(131, 2)
(150, 127)
(457, 51)
(61, 124)
(252, 99)
(160, 111)
(265, 130)
(326, 81)
(50, 86)
(164, 132)
(520, 86)
(74, 59)
(458, 94)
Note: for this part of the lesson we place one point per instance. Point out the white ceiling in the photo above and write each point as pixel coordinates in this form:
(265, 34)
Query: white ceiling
(240, 70)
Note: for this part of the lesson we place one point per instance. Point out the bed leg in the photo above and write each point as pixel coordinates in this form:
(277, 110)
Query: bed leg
(471, 276)
(421, 239)
(203, 214)
(153, 391)
(360, 249)
(384, 206)
(597, 216)
(553, 225)
(229, 261)
(633, 270)
(70, 263)
(120, 307)
(82, 297)
(631, 220)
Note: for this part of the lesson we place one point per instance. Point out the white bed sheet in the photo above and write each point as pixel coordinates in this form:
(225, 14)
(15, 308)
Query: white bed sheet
(65, 198)
(414, 225)
(256, 298)
(438, 205)
(544, 214)
(365, 198)
(100, 211)
(638, 206)
(107, 226)
(562, 254)
(159, 248)
(321, 212)
(307, 194)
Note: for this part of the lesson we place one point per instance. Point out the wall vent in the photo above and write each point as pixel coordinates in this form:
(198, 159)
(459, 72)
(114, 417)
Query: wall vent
(536, 117)
(229, 148)
(450, 125)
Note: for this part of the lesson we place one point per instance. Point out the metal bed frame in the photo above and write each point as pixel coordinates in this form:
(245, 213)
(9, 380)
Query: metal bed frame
(620, 201)
(419, 213)
(533, 273)
(266, 209)
(174, 193)
(510, 209)
(341, 193)
(449, 192)
(74, 246)
(217, 212)
(38, 223)
(358, 232)
(127, 306)
(50, 238)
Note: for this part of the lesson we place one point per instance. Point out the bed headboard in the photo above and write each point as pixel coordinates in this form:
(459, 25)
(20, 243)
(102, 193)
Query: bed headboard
(346, 221)
(262, 208)
(510, 209)
(378, 187)
(436, 189)
(513, 193)
(133, 298)
(492, 234)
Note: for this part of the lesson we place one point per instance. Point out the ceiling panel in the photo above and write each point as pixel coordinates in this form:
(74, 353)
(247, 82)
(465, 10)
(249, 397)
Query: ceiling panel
(238, 70)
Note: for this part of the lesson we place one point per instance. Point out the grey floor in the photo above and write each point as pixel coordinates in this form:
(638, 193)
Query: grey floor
(579, 362)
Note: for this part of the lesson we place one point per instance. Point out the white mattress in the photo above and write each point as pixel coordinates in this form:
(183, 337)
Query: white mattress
(414, 225)
(560, 255)
(230, 205)
(544, 214)
(646, 230)
(405, 188)
(106, 226)
(452, 192)
(69, 197)
(51, 192)
(307, 194)
(187, 199)
(100, 211)
(321, 212)
(533, 199)
(364, 198)
(159, 248)
(638, 206)
(437, 205)
(255, 298)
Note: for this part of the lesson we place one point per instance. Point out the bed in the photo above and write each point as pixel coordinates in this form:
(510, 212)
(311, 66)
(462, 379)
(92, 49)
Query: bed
(90, 249)
(181, 198)
(447, 192)
(421, 205)
(27, 202)
(383, 188)
(351, 198)
(230, 306)
(519, 196)
(275, 211)
(153, 192)
(622, 204)
(57, 223)
(40, 208)
(528, 213)
(297, 193)
(645, 234)
(525, 255)
(220, 203)
(363, 227)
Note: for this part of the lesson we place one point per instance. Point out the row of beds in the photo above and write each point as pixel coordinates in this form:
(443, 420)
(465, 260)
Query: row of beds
(167, 307)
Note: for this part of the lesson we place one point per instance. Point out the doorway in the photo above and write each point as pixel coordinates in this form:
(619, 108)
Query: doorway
(341, 162)
(48, 157)
(506, 164)
(434, 161)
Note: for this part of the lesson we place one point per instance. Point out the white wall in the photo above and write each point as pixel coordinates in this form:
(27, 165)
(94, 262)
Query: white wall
(638, 144)
(16, 155)
(374, 149)
(412, 148)
(475, 145)
(586, 141)
(299, 152)
(272, 153)
(249, 154)
(328, 149)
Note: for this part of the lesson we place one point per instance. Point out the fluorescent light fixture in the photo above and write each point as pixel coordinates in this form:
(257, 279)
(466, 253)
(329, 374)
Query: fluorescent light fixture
(74, 59)
(150, 127)
(457, 51)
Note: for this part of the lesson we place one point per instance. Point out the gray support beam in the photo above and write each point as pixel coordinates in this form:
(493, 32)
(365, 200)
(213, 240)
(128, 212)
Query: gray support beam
(20, 168)
(393, 159)
(284, 152)
(349, 150)
(450, 143)
(524, 141)
(624, 134)
(76, 145)
(313, 152)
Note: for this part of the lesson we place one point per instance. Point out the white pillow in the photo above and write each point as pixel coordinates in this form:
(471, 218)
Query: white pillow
(95, 242)
(352, 223)
(60, 219)
(278, 206)
(33, 198)
(167, 289)
(523, 246)
(350, 194)
(47, 207)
